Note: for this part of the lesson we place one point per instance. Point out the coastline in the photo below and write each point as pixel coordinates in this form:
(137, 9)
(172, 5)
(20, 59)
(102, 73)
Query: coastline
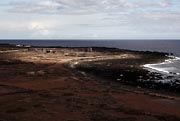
(39, 84)
(131, 71)
(163, 70)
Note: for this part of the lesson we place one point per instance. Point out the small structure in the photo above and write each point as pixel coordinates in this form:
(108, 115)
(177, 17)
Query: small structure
(89, 49)
(19, 45)
(52, 51)
(48, 51)
(27, 46)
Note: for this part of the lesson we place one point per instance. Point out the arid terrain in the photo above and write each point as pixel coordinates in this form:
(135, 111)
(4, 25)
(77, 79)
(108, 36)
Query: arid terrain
(57, 84)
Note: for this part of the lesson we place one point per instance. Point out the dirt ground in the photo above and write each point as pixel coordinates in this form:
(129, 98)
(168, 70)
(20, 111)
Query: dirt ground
(40, 86)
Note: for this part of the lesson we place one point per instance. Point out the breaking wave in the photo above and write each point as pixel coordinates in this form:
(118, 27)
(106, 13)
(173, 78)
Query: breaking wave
(170, 69)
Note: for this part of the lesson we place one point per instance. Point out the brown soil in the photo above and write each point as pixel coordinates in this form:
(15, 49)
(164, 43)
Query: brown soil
(38, 86)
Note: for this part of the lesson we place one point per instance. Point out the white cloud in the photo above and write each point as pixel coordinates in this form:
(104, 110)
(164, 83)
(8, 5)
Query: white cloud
(39, 28)
(48, 4)
(90, 18)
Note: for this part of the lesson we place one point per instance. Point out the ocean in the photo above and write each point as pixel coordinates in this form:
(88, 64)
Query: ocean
(170, 46)
(169, 68)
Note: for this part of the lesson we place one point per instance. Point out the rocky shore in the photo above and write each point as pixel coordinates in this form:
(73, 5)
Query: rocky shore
(130, 72)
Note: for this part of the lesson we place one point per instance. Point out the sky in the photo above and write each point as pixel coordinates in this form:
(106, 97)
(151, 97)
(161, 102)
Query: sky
(89, 19)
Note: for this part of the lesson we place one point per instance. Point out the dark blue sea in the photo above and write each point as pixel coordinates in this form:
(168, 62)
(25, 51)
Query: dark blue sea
(170, 46)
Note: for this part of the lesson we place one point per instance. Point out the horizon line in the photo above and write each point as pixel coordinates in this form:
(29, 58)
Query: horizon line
(83, 39)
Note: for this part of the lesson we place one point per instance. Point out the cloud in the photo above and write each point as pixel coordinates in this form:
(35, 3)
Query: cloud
(33, 7)
(39, 28)
(91, 18)
(83, 6)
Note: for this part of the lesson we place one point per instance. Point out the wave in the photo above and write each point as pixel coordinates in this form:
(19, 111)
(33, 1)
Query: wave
(169, 66)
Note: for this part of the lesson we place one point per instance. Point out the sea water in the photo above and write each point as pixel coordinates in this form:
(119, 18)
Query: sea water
(170, 46)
